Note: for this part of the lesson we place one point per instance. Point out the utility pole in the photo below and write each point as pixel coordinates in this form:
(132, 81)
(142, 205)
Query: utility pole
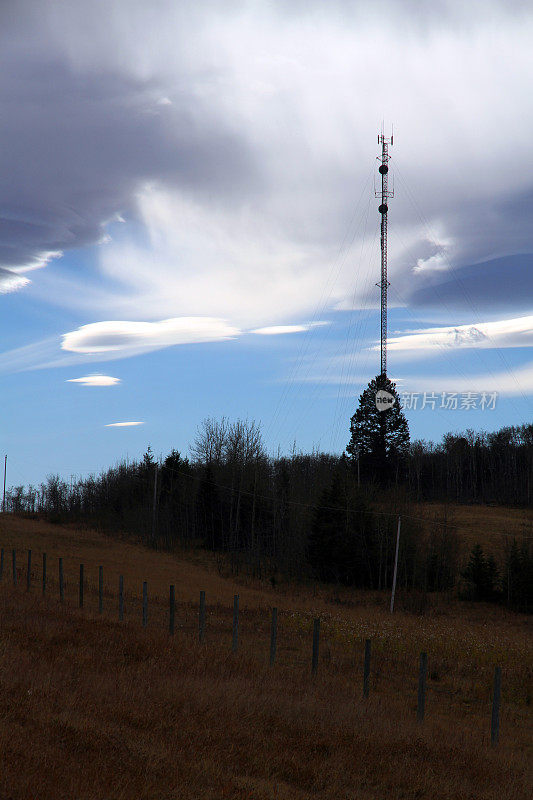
(5, 470)
(395, 565)
(384, 194)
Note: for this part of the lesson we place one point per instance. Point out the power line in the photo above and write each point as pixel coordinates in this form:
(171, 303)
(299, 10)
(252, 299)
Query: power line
(453, 271)
(299, 504)
(233, 490)
(320, 308)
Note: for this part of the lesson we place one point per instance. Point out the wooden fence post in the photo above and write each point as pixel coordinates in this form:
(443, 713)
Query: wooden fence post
(422, 686)
(121, 598)
(100, 590)
(235, 642)
(172, 610)
(366, 669)
(61, 581)
(273, 636)
(1, 563)
(44, 573)
(81, 587)
(14, 557)
(316, 637)
(28, 572)
(495, 721)
(201, 617)
(145, 604)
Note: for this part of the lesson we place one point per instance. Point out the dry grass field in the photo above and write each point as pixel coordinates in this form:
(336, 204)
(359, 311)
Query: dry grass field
(492, 526)
(95, 709)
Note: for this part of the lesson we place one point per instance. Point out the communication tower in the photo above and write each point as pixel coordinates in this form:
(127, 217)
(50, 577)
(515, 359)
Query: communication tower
(384, 194)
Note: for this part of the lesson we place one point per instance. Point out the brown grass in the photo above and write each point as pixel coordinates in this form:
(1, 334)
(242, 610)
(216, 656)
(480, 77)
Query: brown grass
(91, 708)
(491, 526)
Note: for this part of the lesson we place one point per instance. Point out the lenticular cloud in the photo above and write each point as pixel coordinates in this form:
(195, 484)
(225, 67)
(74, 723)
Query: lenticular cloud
(123, 424)
(95, 380)
(131, 337)
(499, 333)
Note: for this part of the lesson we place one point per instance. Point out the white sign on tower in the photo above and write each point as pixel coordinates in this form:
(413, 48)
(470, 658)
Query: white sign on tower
(384, 400)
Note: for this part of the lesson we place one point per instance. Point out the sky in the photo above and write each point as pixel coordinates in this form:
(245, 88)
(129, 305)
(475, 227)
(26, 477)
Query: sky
(189, 227)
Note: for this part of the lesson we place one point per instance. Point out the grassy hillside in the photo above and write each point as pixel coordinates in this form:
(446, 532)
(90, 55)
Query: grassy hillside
(490, 526)
(94, 708)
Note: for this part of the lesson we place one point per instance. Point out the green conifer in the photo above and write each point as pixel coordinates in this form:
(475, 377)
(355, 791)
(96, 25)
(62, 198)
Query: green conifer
(379, 438)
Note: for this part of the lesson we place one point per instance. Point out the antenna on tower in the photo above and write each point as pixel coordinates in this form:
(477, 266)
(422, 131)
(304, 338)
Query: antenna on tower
(384, 194)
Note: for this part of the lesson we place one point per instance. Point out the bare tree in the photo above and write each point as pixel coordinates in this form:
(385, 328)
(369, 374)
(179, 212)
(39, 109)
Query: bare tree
(210, 443)
(244, 443)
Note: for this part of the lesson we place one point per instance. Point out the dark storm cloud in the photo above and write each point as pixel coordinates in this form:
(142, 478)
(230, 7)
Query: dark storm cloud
(260, 120)
(460, 280)
(76, 146)
(500, 285)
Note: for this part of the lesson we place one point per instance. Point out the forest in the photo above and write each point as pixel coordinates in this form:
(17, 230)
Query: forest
(311, 516)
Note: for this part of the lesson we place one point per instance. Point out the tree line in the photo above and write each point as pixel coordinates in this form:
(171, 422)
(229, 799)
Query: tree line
(310, 516)
(475, 467)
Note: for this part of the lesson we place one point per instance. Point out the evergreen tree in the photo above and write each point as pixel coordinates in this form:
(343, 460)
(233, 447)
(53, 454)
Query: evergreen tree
(209, 511)
(379, 438)
(493, 578)
(175, 510)
(327, 533)
(481, 575)
(518, 585)
(148, 458)
(341, 537)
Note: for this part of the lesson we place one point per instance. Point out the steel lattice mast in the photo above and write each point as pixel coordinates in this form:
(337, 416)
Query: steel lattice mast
(383, 209)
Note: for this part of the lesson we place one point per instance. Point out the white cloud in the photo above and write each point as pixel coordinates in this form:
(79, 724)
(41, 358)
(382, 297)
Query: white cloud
(267, 253)
(514, 382)
(41, 260)
(274, 330)
(12, 278)
(95, 380)
(217, 261)
(435, 263)
(129, 338)
(501, 333)
(29, 356)
(10, 281)
(246, 178)
(122, 424)
(511, 382)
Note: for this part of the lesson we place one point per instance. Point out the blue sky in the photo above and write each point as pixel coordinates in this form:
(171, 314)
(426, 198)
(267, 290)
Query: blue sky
(188, 221)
